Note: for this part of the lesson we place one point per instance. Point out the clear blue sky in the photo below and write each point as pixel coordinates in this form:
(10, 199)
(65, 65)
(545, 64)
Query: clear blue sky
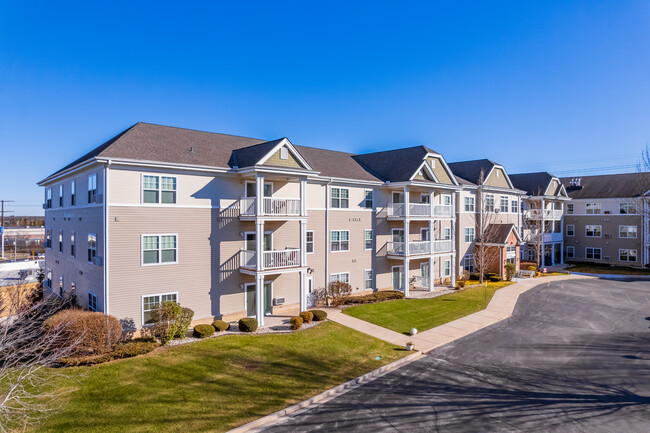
(562, 86)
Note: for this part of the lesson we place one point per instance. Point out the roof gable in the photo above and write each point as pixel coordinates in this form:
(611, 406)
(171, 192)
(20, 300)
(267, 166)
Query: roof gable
(482, 172)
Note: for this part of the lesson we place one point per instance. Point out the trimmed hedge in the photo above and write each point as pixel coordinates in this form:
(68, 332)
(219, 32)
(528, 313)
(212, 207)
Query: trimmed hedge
(319, 315)
(220, 325)
(247, 324)
(203, 331)
(127, 349)
(494, 279)
(386, 295)
(460, 284)
(296, 322)
(307, 316)
(92, 333)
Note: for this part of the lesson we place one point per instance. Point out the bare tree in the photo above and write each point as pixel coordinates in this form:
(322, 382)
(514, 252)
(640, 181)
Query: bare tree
(485, 255)
(27, 355)
(534, 228)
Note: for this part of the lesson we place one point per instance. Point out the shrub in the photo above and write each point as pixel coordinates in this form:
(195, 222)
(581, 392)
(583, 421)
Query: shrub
(220, 325)
(247, 324)
(132, 348)
(90, 333)
(460, 284)
(494, 279)
(475, 276)
(319, 315)
(307, 316)
(384, 295)
(511, 268)
(170, 321)
(332, 293)
(203, 331)
(184, 322)
(296, 322)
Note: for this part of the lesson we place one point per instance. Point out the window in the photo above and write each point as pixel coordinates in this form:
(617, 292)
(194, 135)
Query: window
(627, 208)
(48, 198)
(511, 254)
(368, 202)
(569, 208)
(489, 202)
(158, 189)
(447, 233)
(92, 247)
(73, 191)
(92, 301)
(340, 198)
(48, 278)
(367, 279)
(150, 302)
(468, 263)
(61, 195)
(284, 153)
(60, 241)
(592, 231)
(72, 244)
(60, 285)
(343, 277)
(514, 208)
(158, 249)
(593, 253)
(570, 252)
(628, 232)
(446, 200)
(73, 287)
(469, 234)
(48, 238)
(340, 240)
(627, 255)
(592, 208)
(309, 244)
(425, 198)
(367, 239)
(469, 204)
(447, 268)
(504, 204)
(92, 188)
(570, 230)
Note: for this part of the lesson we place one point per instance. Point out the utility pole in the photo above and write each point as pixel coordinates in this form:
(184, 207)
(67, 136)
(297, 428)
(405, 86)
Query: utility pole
(2, 223)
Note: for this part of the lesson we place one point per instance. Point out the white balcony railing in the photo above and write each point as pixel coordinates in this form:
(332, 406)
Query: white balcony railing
(548, 214)
(443, 246)
(271, 206)
(274, 259)
(420, 210)
(419, 247)
(442, 210)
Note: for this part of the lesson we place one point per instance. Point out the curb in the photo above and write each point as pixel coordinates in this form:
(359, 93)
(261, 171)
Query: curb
(259, 424)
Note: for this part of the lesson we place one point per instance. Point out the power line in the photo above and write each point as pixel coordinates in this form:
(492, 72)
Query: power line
(583, 170)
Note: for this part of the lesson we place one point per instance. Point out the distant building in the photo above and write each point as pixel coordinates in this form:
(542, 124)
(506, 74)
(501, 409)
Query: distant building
(25, 237)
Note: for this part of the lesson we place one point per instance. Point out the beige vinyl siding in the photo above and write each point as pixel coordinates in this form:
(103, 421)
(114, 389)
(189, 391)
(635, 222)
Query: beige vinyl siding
(291, 160)
(439, 170)
(497, 180)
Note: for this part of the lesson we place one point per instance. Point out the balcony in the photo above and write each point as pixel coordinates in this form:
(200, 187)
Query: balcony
(274, 259)
(547, 214)
(532, 236)
(271, 206)
(419, 247)
(420, 210)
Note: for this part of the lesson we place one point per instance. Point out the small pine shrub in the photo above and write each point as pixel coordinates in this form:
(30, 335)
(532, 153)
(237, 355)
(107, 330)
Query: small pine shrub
(296, 322)
(319, 315)
(203, 331)
(220, 325)
(247, 324)
(307, 316)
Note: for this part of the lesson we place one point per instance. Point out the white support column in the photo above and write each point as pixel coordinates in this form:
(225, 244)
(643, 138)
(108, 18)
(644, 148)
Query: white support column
(431, 288)
(432, 197)
(259, 299)
(259, 244)
(407, 282)
(407, 227)
(303, 197)
(562, 233)
(303, 243)
(453, 270)
(303, 290)
(259, 194)
(431, 238)
(407, 198)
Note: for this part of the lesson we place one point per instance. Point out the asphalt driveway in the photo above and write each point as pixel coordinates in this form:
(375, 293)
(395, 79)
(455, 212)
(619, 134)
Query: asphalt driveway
(574, 357)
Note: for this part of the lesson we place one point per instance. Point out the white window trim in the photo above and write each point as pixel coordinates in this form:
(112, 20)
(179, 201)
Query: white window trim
(636, 254)
(90, 234)
(636, 232)
(341, 273)
(443, 199)
(446, 270)
(401, 271)
(96, 187)
(465, 235)
(159, 263)
(566, 230)
(594, 248)
(372, 239)
(595, 206)
(573, 252)
(628, 203)
(446, 230)
(284, 152)
(330, 241)
(372, 198)
(254, 183)
(154, 294)
(340, 188)
(424, 230)
(365, 280)
(160, 190)
(594, 225)
(266, 232)
(96, 309)
(470, 258)
(73, 244)
(473, 204)
(313, 242)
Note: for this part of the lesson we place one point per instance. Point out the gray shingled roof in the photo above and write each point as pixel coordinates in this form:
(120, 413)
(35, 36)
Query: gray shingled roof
(251, 155)
(397, 165)
(499, 232)
(534, 184)
(470, 171)
(608, 185)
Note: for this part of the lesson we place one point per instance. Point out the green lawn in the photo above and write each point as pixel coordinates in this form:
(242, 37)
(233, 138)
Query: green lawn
(217, 384)
(425, 314)
(592, 268)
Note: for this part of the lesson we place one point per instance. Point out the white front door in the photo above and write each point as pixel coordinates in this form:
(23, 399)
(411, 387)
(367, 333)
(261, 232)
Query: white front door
(398, 278)
(311, 301)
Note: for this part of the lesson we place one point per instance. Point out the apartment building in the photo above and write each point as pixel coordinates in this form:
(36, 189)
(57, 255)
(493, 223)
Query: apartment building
(233, 226)
(543, 216)
(488, 204)
(606, 222)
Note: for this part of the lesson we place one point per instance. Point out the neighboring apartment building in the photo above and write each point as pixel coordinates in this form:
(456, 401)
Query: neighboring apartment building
(543, 216)
(606, 222)
(233, 226)
(488, 193)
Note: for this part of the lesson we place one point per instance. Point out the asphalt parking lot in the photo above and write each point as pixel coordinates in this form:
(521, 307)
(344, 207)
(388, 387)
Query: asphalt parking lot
(574, 357)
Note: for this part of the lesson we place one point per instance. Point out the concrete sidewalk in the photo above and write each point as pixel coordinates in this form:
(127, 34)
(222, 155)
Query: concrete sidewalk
(500, 307)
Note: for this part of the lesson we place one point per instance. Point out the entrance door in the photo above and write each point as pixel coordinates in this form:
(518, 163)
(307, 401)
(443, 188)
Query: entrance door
(424, 235)
(424, 273)
(398, 278)
(268, 297)
(310, 292)
(251, 300)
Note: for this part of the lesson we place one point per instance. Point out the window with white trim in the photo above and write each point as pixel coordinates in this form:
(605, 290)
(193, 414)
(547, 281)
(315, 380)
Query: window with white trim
(61, 195)
(152, 301)
(570, 252)
(469, 234)
(504, 204)
(60, 241)
(48, 278)
(570, 230)
(627, 208)
(92, 246)
(593, 253)
(367, 279)
(92, 301)
(340, 240)
(469, 204)
(340, 198)
(343, 277)
(592, 208)
(627, 255)
(368, 203)
(48, 238)
(159, 249)
(593, 231)
(48, 198)
(158, 189)
(447, 233)
(367, 239)
(446, 200)
(569, 208)
(627, 232)
(468, 263)
(73, 192)
(92, 188)
(309, 243)
(514, 207)
(489, 202)
(447, 268)
(72, 244)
